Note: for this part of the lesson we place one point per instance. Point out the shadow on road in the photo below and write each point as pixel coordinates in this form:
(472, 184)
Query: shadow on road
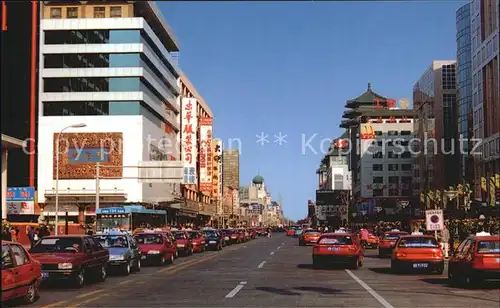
(322, 267)
(487, 285)
(291, 292)
(278, 291)
(382, 270)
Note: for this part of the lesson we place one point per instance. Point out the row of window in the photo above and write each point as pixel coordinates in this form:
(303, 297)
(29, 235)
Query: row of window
(393, 192)
(72, 12)
(71, 37)
(391, 154)
(392, 167)
(102, 109)
(391, 143)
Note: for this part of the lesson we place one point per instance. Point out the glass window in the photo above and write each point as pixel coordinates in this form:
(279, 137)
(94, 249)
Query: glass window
(393, 180)
(378, 167)
(378, 155)
(92, 84)
(7, 261)
(488, 247)
(378, 133)
(99, 12)
(59, 245)
(92, 36)
(92, 60)
(406, 154)
(56, 12)
(393, 167)
(405, 133)
(378, 192)
(335, 240)
(124, 108)
(392, 133)
(72, 12)
(116, 11)
(378, 179)
(418, 242)
(406, 167)
(391, 154)
(20, 256)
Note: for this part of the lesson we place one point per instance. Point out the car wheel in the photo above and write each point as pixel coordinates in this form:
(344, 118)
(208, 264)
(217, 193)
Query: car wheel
(80, 279)
(31, 294)
(127, 269)
(440, 271)
(103, 273)
(137, 265)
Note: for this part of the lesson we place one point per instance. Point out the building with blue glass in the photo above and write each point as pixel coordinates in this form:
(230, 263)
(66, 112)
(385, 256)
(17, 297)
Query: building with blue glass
(109, 70)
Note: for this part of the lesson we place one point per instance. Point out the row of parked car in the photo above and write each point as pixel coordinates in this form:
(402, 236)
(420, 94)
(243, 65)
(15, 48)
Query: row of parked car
(76, 258)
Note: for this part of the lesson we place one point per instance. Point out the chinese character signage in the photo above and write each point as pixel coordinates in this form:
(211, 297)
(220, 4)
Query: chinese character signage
(87, 155)
(21, 200)
(189, 122)
(217, 168)
(206, 157)
(367, 131)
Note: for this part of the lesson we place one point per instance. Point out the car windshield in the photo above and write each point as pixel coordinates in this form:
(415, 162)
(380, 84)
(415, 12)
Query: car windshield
(180, 235)
(391, 237)
(193, 235)
(488, 247)
(335, 240)
(312, 232)
(418, 242)
(145, 239)
(55, 244)
(208, 233)
(118, 241)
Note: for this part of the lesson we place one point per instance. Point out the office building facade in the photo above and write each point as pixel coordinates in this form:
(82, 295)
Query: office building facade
(108, 66)
(231, 168)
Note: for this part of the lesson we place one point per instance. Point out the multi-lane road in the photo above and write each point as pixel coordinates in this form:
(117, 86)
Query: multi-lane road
(272, 272)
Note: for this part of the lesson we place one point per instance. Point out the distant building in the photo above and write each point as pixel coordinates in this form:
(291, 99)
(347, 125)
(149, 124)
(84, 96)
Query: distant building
(435, 103)
(231, 168)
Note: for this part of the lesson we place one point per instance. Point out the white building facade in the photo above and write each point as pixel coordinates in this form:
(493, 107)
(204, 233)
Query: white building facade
(117, 77)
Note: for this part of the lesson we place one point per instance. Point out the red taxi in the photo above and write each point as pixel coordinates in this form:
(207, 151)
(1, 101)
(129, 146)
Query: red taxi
(372, 241)
(476, 259)
(417, 252)
(338, 248)
(198, 241)
(172, 239)
(184, 243)
(310, 236)
(291, 231)
(21, 274)
(155, 247)
(387, 242)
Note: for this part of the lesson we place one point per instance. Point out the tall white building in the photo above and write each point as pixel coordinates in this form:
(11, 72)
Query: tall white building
(109, 66)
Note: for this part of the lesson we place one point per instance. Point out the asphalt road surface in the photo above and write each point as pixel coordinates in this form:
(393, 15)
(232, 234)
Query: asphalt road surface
(272, 272)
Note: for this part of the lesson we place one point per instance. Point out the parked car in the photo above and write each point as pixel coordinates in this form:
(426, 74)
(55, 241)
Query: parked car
(417, 252)
(21, 274)
(213, 239)
(310, 236)
(172, 239)
(198, 241)
(71, 257)
(184, 243)
(124, 253)
(155, 247)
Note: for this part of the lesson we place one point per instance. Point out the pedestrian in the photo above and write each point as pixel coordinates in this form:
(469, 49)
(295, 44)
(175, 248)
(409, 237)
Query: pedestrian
(444, 240)
(364, 236)
(31, 236)
(6, 235)
(13, 234)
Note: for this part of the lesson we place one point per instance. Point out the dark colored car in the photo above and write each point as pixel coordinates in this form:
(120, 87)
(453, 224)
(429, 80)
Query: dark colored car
(213, 239)
(72, 257)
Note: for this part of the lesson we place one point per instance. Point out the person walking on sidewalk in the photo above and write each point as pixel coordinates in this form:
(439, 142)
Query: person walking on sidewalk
(444, 240)
(31, 236)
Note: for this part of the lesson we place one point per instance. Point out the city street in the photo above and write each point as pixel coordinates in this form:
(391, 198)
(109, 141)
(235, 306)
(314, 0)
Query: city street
(272, 272)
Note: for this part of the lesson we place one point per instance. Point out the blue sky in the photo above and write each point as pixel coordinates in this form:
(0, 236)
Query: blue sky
(289, 67)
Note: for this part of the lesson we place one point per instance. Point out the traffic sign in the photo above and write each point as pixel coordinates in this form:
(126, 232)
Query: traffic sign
(434, 220)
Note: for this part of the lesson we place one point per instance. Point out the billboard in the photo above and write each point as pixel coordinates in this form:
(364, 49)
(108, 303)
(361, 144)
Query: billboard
(331, 197)
(206, 157)
(217, 169)
(20, 200)
(189, 150)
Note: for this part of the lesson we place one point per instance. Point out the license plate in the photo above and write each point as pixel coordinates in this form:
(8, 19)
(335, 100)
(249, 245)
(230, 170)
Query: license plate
(212, 242)
(45, 275)
(420, 265)
(333, 248)
(143, 257)
(498, 260)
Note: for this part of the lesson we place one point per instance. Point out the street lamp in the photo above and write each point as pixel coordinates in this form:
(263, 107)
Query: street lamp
(79, 125)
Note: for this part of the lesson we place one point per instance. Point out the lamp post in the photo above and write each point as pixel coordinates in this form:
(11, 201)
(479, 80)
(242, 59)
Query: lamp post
(79, 125)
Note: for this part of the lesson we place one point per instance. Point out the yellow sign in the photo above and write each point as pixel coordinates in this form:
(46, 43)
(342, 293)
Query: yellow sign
(497, 180)
(367, 131)
(484, 184)
(404, 104)
(422, 197)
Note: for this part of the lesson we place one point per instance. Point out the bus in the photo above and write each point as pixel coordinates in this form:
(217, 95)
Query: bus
(129, 217)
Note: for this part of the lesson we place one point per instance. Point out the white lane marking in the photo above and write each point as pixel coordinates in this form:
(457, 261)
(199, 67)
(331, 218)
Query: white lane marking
(377, 296)
(261, 264)
(272, 253)
(236, 290)
(282, 244)
(279, 247)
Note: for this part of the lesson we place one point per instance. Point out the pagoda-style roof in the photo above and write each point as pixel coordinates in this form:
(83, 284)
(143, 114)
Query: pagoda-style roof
(367, 98)
(351, 113)
(409, 113)
(348, 123)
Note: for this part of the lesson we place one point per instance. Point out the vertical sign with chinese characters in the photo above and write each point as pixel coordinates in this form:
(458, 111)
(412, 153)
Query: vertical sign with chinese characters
(206, 155)
(217, 169)
(189, 122)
